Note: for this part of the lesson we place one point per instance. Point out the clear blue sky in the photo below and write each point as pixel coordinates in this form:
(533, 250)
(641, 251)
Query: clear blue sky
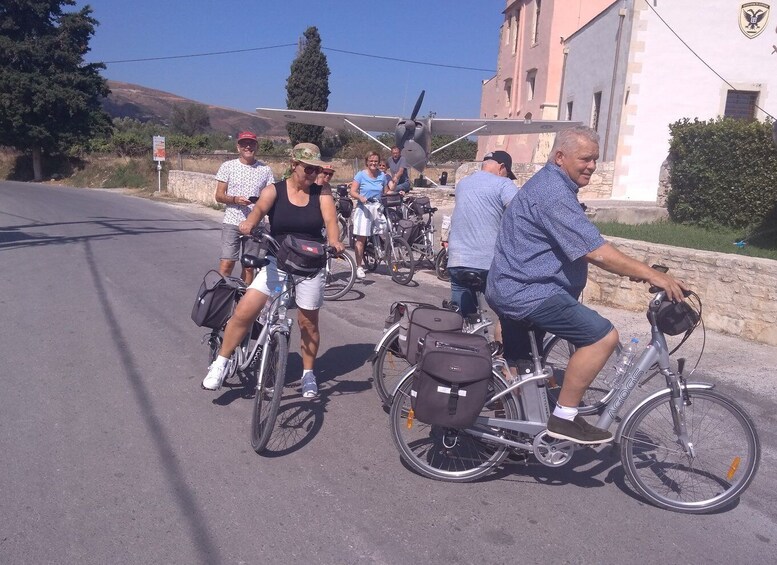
(449, 32)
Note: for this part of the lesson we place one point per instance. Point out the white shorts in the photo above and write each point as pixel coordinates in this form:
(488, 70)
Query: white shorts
(309, 292)
(365, 218)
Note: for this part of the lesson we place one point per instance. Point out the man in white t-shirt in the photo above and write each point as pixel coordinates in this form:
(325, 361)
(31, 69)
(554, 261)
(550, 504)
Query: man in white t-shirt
(237, 181)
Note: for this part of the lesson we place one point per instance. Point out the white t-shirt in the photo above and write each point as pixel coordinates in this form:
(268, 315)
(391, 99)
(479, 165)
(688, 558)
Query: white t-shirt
(243, 180)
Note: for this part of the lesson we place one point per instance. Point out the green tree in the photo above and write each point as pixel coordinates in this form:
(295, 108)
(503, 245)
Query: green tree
(189, 119)
(307, 87)
(49, 97)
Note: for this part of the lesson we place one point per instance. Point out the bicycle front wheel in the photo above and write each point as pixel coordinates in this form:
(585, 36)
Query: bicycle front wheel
(709, 470)
(399, 259)
(388, 366)
(446, 454)
(557, 352)
(441, 265)
(340, 276)
(269, 389)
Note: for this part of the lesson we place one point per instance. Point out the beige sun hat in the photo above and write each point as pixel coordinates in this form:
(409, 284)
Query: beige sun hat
(309, 154)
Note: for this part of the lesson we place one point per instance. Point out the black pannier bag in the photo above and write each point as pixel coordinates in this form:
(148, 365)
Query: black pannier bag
(421, 205)
(216, 300)
(342, 190)
(410, 231)
(450, 383)
(345, 205)
(391, 200)
(421, 320)
(674, 318)
(303, 257)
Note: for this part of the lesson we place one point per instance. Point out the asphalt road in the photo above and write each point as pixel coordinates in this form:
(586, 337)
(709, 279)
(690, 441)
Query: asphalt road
(111, 453)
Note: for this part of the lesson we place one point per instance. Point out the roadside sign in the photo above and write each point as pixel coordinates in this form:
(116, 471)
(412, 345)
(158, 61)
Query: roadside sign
(159, 148)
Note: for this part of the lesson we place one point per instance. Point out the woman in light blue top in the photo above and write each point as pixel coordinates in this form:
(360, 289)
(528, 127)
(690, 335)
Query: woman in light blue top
(369, 183)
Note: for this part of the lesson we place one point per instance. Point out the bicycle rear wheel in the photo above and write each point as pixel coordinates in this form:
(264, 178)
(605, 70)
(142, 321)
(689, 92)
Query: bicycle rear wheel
(340, 276)
(441, 265)
(726, 452)
(269, 389)
(557, 352)
(469, 458)
(399, 259)
(388, 366)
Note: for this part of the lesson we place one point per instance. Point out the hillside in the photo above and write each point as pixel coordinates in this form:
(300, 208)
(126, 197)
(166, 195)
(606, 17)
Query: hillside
(149, 105)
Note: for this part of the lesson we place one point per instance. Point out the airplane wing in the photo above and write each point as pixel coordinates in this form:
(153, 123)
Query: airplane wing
(330, 119)
(459, 127)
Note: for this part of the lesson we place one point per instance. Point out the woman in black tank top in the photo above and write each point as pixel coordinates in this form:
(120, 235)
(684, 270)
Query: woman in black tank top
(296, 206)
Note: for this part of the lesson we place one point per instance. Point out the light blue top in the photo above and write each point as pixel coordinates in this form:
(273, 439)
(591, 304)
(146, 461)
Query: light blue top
(481, 199)
(371, 187)
(541, 247)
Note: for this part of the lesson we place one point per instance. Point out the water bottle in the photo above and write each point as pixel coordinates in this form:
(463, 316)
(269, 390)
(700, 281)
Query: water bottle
(624, 363)
(264, 313)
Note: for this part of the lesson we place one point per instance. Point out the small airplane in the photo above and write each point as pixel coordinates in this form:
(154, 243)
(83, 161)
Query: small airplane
(414, 136)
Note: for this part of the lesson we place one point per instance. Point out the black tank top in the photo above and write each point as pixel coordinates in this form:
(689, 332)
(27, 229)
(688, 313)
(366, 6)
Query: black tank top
(303, 221)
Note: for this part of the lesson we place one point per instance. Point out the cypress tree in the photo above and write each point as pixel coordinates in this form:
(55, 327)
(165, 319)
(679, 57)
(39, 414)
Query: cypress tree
(307, 87)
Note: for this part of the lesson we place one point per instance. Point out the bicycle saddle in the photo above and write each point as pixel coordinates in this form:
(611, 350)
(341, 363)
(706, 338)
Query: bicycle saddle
(474, 280)
(253, 262)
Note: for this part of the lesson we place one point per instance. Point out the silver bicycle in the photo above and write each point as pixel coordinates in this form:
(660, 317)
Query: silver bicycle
(389, 364)
(686, 447)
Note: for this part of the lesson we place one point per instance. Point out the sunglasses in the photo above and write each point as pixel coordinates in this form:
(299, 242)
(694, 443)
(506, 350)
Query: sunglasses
(329, 173)
(310, 169)
(246, 144)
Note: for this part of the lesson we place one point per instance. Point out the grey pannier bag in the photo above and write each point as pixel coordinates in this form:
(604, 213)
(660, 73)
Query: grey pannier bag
(450, 383)
(419, 321)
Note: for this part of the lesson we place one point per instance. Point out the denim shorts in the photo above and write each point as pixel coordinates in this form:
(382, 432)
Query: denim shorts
(231, 244)
(564, 316)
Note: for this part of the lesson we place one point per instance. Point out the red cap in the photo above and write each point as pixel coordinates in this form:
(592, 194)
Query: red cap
(246, 135)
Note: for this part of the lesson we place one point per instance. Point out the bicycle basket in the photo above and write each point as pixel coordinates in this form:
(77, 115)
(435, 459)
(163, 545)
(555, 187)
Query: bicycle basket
(674, 318)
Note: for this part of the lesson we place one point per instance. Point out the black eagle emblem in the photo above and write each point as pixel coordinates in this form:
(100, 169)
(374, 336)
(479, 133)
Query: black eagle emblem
(754, 18)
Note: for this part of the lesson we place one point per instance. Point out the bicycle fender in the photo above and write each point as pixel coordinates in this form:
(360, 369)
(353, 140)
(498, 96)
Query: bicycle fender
(662, 392)
(408, 374)
(383, 340)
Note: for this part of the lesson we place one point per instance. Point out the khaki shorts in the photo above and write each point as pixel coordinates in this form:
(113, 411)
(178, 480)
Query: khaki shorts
(309, 292)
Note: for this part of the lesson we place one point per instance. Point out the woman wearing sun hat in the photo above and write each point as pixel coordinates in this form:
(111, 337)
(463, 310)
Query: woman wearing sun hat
(295, 206)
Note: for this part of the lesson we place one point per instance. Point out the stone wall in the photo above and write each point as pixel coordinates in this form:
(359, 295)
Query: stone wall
(739, 294)
(195, 187)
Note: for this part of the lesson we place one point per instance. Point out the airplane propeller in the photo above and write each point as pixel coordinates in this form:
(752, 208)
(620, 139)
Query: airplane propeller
(417, 106)
(414, 138)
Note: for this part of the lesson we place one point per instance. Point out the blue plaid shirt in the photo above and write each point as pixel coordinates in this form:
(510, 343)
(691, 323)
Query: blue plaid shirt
(541, 246)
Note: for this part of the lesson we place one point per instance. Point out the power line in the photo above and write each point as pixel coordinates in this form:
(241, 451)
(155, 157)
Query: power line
(408, 61)
(232, 51)
(698, 56)
(199, 54)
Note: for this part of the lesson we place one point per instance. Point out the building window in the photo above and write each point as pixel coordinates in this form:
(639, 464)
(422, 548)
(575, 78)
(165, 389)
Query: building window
(536, 33)
(596, 110)
(508, 91)
(569, 111)
(531, 80)
(740, 104)
(514, 28)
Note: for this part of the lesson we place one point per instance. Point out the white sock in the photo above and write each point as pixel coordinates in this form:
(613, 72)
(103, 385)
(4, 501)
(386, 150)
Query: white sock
(565, 413)
(221, 361)
(306, 372)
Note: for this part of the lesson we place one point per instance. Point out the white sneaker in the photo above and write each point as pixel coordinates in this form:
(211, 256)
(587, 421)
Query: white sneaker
(360, 274)
(215, 376)
(309, 386)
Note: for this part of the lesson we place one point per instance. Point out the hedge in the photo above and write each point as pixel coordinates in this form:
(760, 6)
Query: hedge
(724, 173)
